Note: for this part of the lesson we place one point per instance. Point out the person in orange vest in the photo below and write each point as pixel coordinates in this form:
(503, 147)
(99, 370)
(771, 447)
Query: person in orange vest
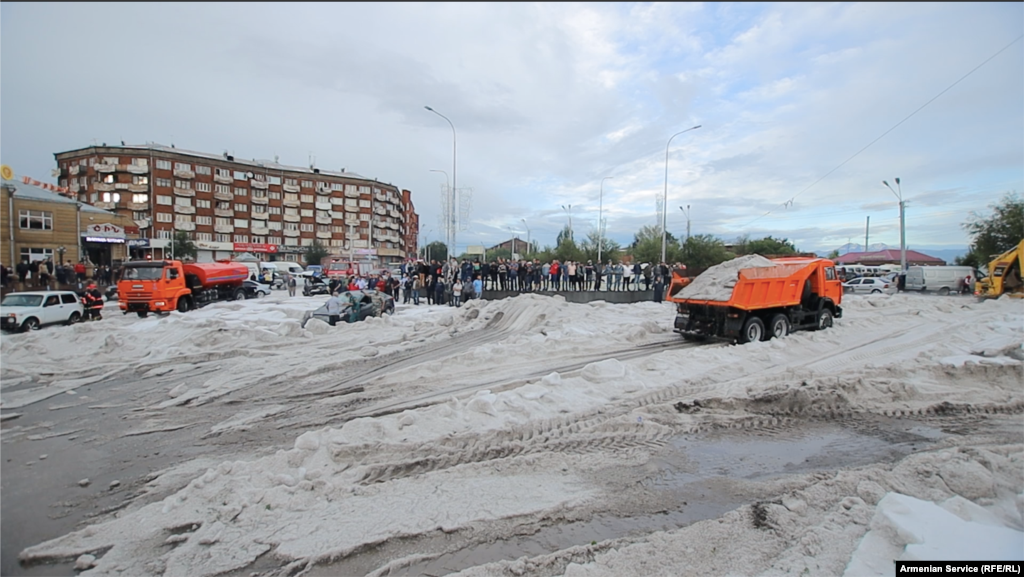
(92, 300)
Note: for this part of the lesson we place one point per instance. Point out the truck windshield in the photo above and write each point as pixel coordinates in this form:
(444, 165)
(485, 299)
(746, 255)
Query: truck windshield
(141, 273)
(339, 266)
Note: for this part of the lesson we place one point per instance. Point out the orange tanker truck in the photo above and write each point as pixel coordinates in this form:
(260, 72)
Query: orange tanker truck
(162, 286)
(753, 298)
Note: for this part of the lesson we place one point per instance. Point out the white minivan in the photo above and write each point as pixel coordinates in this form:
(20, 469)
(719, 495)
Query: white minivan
(284, 266)
(940, 279)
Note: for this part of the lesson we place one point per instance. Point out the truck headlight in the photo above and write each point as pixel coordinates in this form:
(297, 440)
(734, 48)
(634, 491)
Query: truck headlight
(159, 303)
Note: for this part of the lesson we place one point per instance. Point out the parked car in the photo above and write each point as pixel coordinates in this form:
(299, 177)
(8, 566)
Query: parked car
(869, 285)
(26, 311)
(258, 290)
(372, 303)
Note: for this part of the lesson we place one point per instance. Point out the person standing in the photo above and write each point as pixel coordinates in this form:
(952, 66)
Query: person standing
(457, 293)
(637, 274)
(478, 288)
(291, 282)
(22, 269)
(80, 272)
(416, 286)
(334, 309)
(43, 276)
(92, 300)
(659, 285)
(439, 291)
(648, 270)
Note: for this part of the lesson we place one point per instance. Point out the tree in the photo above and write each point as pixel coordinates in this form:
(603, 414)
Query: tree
(768, 246)
(610, 249)
(834, 254)
(702, 251)
(996, 233)
(646, 245)
(315, 253)
(567, 250)
(436, 250)
(183, 247)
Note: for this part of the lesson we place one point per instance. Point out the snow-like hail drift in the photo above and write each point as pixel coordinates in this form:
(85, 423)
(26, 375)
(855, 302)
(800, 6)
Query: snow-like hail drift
(483, 442)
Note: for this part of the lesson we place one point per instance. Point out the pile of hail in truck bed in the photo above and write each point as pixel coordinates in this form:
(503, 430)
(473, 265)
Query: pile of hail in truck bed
(716, 283)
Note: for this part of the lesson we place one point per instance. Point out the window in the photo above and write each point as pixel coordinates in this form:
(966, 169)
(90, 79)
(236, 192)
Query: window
(223, 238)
(275, 195)
(290, 181)
(164, 182)
(347, 187)
(182, 201)
(140, 161)
(364, 217)
(163, 164)
(222, 172)
(364, 203)
(139, 215)
(221, 205)
(204, 236)
(68, 299)
(364, 190)
(31, 254)
(240, 175)
(830, 273)
(83, 181)
(291, 226)
(291, 211)
(36, 219)
(241, 238)
(274, 240)
(140, 180)
(259, 239)
(242, 208)
(323, 228)
(164, 217)
(307, 184)
(306, 212)
(202, 203)
(307, 198)
(202, 169)
(241, 223)
(183, 218)
(337, 242)
(203, 186)
(338, 229)
(275, 210)
(64, 182)
(165, 234)
(223, 221)
(111, 197)
(204, 220)
(259, 209)
(241, 192)
(259, 176)
(108, 179)
(164, 200)
(274, 179)
(110, 160)
(182, 184)
(289, 197)
(274, 225)
(222, 189)
(182, 166)
(305, 227)
(307, 242)
(352, 202)
(257, 193)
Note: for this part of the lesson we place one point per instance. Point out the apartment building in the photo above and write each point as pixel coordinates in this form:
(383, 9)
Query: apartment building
(230, 206)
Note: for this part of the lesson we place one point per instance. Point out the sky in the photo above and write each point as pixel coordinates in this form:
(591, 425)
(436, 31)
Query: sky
(549, 99)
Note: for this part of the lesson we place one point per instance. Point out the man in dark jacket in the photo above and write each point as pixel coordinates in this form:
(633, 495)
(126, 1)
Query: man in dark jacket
(92, 300)
(22, 269)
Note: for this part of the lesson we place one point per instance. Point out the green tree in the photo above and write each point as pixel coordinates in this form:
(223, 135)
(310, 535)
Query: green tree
(567, 250)
(610, 250)
(768, 246)
(994, 233)
(436, 250)
(315, 253)
(702, 251)
(646, 245)
(183, 247)
(834, 254)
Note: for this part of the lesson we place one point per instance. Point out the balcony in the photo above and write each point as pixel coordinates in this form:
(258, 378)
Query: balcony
(73, 187)
(105, 205)
(143, 223)
(223, 178)
(185, 225)
(323, 220)
(104, 167)
(184, 191)
(224, 196)
(260, 216)
(260, 200)
(138, 206)
(138, 187)
(292, 218)
(224, 212)
(291, 233)
(184, 209)
(350, 208)
(352, 194)
(103, 187)
(223, 228)
(188, 174)
(291, 188)
(137, 168)
(337, 215)
(259, 230)
(260, 184)
(73, 169)
(290, 203)
(326, 235)
(381, 197)
(380, 210)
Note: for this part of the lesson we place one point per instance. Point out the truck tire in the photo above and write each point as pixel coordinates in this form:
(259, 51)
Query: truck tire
(183, 305)
(239, 294)
(753, 330)
(824, 319)
(778, 328)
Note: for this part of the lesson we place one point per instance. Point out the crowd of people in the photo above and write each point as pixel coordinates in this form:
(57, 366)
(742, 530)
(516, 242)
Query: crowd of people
(44, 274)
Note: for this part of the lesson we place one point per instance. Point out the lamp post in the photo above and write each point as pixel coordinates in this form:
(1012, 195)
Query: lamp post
(903, 223)
(664, 212)
(513, 243)
(686, 211)
(451, 198)
(568, 210)
(61, 250)
(600, 219)
(529, 245)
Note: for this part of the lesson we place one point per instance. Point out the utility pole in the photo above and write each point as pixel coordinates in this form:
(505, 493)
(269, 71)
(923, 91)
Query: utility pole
(903, 224)
(867, 231)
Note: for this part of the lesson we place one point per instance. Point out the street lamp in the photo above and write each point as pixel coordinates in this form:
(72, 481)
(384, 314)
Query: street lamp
(451, 199)
(61, 250)
(903, 224)
(664, 212)
(568, 210)
(529, 245)
(686, 211)
(426, 244)
(600, 219)
(513, 243)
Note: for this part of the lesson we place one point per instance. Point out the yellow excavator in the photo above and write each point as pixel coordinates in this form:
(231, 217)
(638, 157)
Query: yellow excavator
(1004, 276)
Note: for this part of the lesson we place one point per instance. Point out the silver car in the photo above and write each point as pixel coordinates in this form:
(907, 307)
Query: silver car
(869, 285)
(27, 311)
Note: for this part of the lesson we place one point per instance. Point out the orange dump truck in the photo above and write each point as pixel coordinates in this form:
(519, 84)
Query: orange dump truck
(769, 298)
(162, 286)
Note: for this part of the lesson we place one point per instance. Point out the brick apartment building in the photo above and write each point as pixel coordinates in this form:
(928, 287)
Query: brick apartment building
(230, 206)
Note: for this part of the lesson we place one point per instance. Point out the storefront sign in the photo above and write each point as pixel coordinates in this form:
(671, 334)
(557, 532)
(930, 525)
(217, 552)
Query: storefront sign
(254, 247)
(369, 251)
(208, 245)
(103, 231)
(105, 239)
(138, 243)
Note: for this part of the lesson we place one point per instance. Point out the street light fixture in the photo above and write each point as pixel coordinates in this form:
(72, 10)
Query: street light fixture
(903, 224)
(600, 219)
(451, 198)
(529, 245)
(61, 250)
(664, 212)
(568, 210)
(686, 211)
(513, 243)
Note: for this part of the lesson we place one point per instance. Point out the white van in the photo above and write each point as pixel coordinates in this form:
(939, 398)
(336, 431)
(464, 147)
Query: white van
(283, 266)
(940, 279)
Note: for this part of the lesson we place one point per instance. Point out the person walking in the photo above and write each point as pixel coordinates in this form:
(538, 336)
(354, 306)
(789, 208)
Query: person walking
(334, 309)
(291, 282)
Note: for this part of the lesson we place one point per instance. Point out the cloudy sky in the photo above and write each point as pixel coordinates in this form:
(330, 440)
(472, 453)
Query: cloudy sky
(548, 99)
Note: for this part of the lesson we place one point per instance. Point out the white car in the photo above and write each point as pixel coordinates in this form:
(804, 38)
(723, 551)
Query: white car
(27, 311)
(869, 285)
(257, 289)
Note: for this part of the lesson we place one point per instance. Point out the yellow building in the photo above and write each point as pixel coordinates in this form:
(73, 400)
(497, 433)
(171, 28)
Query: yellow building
(36, 224)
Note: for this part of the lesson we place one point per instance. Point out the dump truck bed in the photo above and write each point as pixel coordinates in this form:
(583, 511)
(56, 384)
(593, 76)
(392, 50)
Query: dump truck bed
(762, 287)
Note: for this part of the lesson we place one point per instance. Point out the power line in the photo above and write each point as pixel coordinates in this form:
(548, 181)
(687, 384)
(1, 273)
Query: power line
(856, 154)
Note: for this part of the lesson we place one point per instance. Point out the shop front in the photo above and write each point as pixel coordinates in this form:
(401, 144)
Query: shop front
(104, 243)
(207, 251)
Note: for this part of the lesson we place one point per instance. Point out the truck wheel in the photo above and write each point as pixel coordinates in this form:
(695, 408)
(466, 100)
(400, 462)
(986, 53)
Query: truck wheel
(183, 305)
(142, 314)
(240, 294)
(753, 330)
(824, 319)
(779, 327)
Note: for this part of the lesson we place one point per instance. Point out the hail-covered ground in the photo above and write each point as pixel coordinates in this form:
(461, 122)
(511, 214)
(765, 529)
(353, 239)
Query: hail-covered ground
(526, 436)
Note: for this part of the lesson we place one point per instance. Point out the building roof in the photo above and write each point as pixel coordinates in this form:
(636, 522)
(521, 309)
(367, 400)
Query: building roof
(29, 192)
(887, 256)
(256, 163)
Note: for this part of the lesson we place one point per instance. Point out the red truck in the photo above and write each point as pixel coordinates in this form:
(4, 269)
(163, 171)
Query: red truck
(768, 299)
(336, 267)
(162, 286)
